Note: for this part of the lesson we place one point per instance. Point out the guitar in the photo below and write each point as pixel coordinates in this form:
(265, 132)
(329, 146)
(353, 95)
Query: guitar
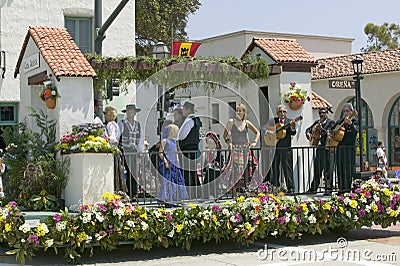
(279, 132)
(315, 134)
(336, 135)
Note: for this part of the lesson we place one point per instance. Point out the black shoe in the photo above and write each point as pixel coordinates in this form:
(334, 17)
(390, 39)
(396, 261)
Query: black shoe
(328, 193)
(290, 191)
(311, 191)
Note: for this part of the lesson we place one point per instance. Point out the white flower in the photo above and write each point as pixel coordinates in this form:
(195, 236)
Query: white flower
(347, 201)
(376, 197)
(312, 219)
(225, 212)
(130, 223)
(348, 214)
(25, 228)
(99, 217)
(44, 227)
(171, 234)
(49, 242)
(144, 225)
(60, 226)
(274, 233)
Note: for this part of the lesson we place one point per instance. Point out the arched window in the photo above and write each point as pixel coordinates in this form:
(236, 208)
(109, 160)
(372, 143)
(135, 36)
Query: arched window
(394, 134)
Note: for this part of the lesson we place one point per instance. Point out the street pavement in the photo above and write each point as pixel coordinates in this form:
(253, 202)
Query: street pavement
(368, 246)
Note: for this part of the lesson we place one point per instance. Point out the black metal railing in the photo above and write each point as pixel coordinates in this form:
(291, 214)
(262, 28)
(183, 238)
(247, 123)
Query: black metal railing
(224, 174)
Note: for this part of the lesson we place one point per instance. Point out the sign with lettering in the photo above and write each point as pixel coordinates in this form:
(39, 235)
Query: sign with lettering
(33, 223)
(31, 62)
(342, 84)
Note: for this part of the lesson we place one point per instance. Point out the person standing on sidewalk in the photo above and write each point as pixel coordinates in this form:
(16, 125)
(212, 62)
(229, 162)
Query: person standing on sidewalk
(322, 161)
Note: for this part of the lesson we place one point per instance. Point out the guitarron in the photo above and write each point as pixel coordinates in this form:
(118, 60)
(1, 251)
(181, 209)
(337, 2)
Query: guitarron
(279, 132)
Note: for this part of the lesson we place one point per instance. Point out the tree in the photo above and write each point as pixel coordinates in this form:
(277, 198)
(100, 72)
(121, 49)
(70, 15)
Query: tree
(381, 37)
(163, 20)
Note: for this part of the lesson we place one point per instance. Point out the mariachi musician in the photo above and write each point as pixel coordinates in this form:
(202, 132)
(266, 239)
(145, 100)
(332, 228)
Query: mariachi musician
(317, 134)
(346, 150)
(283, 155)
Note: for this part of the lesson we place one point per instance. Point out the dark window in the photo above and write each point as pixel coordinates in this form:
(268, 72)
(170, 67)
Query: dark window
(215, 113)
(232, 109)
(81, 31)
(8, 114)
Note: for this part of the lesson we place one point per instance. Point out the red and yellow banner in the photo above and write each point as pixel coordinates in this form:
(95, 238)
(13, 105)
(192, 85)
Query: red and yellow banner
(184, 48)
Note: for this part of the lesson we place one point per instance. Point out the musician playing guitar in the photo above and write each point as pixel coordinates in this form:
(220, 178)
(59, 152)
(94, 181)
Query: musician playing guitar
(317, 134)
(283, 154)
(346, 150)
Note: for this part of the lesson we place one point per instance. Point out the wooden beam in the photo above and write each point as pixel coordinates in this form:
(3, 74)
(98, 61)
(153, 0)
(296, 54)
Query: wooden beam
(37, 79)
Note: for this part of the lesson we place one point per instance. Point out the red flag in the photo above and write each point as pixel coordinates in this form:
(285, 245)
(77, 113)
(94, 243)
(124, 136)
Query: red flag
(185, 48)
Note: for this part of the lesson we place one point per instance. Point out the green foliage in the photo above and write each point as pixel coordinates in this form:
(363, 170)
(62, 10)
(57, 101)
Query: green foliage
(381, 37)
(43, 201)
(166, 17)
(32, 163)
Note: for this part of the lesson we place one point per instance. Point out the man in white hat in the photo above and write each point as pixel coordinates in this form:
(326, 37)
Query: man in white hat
(131, 143)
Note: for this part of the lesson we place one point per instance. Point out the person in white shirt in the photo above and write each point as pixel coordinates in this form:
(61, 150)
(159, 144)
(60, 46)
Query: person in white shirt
(96, 119)
(382, 159)
(110, 114)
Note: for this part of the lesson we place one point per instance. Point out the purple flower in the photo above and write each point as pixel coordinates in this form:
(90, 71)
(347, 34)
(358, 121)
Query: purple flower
(216, 208)
(102, 233)
(298, 208)
(238, 218)
(83, 207)
(368, 195)
(352, 195)
(358, 190)
(111, 229)
(169, 217)
(281, 220)
(298, 219)
(33, 239)
(334, 208)
(361, 213)
(12, 204)
(263, 187)
(102, 207)
(57, 217)
(341, 198)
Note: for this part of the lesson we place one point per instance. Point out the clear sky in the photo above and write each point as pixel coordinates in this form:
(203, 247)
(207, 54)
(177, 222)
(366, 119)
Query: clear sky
(334, 18)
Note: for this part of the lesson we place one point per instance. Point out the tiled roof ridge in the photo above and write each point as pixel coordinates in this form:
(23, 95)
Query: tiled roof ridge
(373, 62)
(59, 51)
(318, 101)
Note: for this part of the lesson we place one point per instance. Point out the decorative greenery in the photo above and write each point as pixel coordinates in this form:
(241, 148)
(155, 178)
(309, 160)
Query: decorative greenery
(128, 69)
(31, 162)
(295, 94)
(245, 220)
(49, 89)
(88, 137)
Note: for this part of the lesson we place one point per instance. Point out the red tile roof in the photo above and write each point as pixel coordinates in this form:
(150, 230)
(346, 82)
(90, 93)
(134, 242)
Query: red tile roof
(59, 51)
(340, 66)
(319, 102)
(283, 50)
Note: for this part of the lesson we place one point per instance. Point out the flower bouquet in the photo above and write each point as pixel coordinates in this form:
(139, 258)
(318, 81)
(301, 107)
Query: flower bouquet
(295, 97)
(49, 93)
(88, 137)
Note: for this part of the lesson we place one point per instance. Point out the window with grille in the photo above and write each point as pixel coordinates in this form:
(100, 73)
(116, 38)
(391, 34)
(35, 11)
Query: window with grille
(81, 31)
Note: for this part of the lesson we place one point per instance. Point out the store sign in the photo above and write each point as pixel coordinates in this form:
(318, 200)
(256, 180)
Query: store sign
(342, 84)
(31, 62)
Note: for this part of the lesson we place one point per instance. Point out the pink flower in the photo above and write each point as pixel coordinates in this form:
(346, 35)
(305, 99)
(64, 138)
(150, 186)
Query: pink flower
(292, 84)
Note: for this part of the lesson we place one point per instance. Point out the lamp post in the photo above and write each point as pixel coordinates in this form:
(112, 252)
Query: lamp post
(160, 51)
(357, 68)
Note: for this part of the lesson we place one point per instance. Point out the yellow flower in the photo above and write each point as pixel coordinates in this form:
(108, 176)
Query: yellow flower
(261, 194)
(81, 237)
(386, 191)
(40, 232)
(375, 208)
(327, 206)
(341, 210)
(392, 213)
(256, 199)
(240, 199)
(192, 205)
(7, 227)
(276, 213)
(304, 207)
(179, 228)
(353, 204)
(248, 226)
(214, 218)
(143, 216)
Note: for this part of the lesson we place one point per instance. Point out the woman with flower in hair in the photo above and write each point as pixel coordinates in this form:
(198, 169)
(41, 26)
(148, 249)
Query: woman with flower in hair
(236, 135)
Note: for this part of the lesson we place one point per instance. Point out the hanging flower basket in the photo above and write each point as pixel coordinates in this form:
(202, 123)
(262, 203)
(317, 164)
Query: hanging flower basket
(49, 93)
(51, 103)
(295, 98)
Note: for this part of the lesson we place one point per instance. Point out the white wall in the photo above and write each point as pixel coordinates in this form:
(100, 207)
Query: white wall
(17, 16)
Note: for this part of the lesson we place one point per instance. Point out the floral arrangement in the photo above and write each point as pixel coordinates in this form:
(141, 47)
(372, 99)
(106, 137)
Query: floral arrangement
(244, 220)
(88, 137)
(49, 89)
(295, 94)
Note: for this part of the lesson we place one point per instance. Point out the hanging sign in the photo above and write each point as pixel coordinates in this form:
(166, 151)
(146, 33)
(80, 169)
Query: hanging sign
(31, 62)
(342, 84)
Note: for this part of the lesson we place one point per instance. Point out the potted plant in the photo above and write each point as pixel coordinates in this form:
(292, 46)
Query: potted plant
(49, 93)
(295, 97)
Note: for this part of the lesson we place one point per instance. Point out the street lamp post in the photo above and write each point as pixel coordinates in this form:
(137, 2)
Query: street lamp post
(357, 68)
(160, 51)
